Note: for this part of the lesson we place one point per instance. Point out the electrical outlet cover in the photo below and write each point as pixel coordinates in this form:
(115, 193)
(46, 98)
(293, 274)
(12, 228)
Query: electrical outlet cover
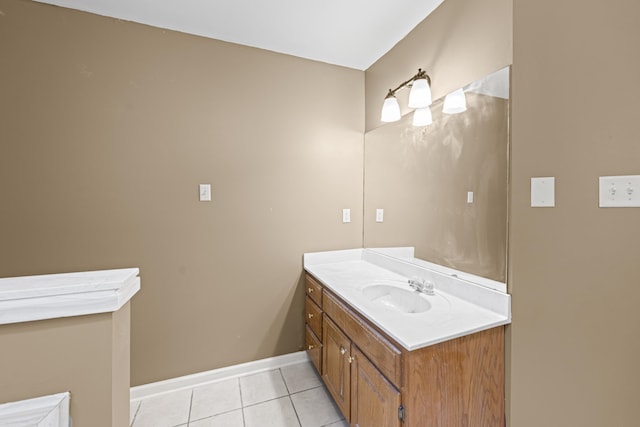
(543, 192)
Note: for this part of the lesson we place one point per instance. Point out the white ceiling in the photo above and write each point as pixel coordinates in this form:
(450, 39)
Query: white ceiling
(351, 33)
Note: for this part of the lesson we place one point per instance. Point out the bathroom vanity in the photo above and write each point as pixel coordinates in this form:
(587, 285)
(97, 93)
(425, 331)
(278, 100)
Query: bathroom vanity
(392, 356)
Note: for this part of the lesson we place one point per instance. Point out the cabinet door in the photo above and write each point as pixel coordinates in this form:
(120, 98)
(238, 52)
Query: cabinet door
(335, 365)
(374, 400)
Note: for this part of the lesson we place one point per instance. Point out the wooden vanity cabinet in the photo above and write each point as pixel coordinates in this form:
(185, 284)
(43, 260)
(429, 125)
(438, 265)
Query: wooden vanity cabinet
(361, 391)
(313, 321)
(377, 383)
(459, 382)
(372, 343)
(375, 401)
(336, 365)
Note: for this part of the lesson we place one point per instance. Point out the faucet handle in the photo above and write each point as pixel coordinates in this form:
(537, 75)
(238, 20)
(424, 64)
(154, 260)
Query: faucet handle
(428, 287)
(422, 285)
(416, 284)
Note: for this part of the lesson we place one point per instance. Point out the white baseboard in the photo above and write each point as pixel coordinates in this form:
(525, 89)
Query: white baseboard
(194, 380)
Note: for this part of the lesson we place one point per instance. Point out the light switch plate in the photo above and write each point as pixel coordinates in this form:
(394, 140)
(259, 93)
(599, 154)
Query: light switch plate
(346, 216)
(379, 215)
(469, 197)
(205, 192)
(619, 191)
(543, 192)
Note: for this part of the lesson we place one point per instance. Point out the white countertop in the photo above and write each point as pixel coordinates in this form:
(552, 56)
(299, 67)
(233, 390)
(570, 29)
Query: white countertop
(458, 307)
(27, 298)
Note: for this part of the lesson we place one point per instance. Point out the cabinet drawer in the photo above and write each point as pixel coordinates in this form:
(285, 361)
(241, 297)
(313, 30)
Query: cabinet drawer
(313, 290)
(376, 347)
(314, 349)
(313, 316)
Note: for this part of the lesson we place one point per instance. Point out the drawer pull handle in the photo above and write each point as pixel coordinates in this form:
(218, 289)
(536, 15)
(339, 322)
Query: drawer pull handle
(310, 290)
(343, 350)
(310, 315)
(311, 347)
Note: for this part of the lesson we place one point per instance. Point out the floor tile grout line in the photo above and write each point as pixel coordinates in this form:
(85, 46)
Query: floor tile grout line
(315, 374)
(244, 423)
(269, 399)
(307, 389)
(266, 401)
(240, 390)
(215, 415)
(135, 414)
(331, 403)
(190, 406)
(295, 411)
(284, 381)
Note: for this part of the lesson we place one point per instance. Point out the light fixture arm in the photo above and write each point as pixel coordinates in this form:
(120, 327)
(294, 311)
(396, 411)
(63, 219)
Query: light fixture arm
(421, 74)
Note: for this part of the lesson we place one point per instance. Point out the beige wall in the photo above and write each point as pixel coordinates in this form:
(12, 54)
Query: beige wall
(82, 354)
(460, 42)
(574, 269)
(107, 128)
(420, 176)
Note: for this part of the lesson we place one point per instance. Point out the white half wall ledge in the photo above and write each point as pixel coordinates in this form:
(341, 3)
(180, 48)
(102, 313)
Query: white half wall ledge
(29, 298)
(45, 411)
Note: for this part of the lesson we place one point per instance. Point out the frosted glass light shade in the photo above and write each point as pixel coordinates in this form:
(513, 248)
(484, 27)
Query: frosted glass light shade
(390, 110)
(420, 95)
(422, 117)
(455, 102)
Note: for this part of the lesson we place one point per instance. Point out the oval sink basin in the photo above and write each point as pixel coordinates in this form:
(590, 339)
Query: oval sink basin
(402, 300)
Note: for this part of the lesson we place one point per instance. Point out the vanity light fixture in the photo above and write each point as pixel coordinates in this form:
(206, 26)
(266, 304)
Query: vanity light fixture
(422, 117)
(390, 109)
(419, 99)
(455, 102)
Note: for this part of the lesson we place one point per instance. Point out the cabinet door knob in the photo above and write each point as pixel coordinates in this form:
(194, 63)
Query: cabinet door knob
(311, 347)
(310, 315)
(343, 350)
(310, 290)
(351, 359)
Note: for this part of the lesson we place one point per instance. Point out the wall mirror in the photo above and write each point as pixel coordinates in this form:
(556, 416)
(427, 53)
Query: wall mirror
(443, 187)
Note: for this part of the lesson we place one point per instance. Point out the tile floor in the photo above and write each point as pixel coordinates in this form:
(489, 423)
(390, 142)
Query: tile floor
(292, 396)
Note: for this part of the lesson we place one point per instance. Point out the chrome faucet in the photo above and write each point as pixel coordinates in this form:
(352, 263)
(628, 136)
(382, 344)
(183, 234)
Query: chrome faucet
(424, 286)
